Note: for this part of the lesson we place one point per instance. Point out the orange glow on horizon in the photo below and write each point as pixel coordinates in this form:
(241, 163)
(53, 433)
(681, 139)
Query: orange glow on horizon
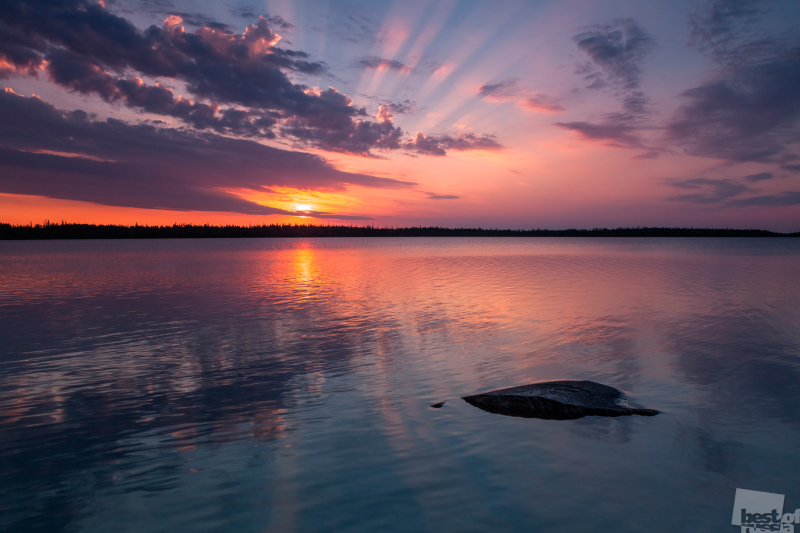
(290, 199)
(24, 209)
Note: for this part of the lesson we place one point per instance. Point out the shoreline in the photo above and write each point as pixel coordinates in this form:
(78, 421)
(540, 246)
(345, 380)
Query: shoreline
(68, 231)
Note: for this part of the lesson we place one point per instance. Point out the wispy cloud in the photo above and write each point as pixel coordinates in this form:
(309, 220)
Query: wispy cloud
(380, 63)
(620, 129)
(724, 192)
(784, 199)
(509, 90)
(752, 178)
(433, 196)
(616, 51)
(712, 191)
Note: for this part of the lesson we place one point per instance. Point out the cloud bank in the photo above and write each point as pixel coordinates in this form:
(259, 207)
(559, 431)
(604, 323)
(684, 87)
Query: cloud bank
(751, 110)
(69, 155)
(724, 192)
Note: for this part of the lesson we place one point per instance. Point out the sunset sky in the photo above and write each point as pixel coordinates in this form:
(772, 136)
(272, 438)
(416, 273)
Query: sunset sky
(511, 114)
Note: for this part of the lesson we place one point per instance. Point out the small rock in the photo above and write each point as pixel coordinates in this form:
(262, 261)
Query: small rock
(557, 400)
(437, 405)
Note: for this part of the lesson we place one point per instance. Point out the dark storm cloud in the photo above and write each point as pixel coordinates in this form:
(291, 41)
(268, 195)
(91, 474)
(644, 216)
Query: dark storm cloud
(68, 155)
(712, 191)
(382, 63)
(81, 44)
(617, 51)
(758, 177)
(751, 110)
(112, 183)
(113, 42)
(18, 49)
(438, 145)
(238, 82)
(72, 72)
(357, 137)
(433, 196)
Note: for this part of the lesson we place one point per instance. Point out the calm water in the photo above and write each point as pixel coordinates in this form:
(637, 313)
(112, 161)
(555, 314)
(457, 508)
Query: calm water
(284, 385)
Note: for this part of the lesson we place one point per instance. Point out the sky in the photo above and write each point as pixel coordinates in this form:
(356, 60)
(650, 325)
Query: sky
(503, 114)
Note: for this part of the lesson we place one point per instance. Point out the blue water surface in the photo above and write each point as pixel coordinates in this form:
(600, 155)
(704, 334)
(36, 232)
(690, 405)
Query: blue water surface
(258, 385)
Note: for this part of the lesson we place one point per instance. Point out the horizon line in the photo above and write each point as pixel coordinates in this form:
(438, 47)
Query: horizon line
(68, 230)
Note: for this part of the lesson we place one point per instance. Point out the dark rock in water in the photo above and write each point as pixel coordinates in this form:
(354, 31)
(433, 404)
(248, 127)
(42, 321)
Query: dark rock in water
(557, 400)
(437, 405)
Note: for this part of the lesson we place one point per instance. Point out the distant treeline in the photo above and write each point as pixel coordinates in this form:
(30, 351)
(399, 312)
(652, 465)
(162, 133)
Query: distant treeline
(187, 231)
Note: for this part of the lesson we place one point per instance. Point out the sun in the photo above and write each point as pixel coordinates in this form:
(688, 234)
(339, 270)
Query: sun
(303, 207)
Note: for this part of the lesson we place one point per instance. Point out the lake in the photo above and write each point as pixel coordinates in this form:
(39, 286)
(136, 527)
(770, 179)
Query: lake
(255, 385)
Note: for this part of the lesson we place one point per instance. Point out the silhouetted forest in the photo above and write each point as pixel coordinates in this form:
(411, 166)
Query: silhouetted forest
(187, 231)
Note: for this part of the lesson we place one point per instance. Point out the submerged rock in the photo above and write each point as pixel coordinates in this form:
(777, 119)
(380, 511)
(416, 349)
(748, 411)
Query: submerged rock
(437, 405)
(557, 400)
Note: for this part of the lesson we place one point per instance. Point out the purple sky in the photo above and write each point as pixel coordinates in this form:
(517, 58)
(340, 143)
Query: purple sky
(496, 114)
